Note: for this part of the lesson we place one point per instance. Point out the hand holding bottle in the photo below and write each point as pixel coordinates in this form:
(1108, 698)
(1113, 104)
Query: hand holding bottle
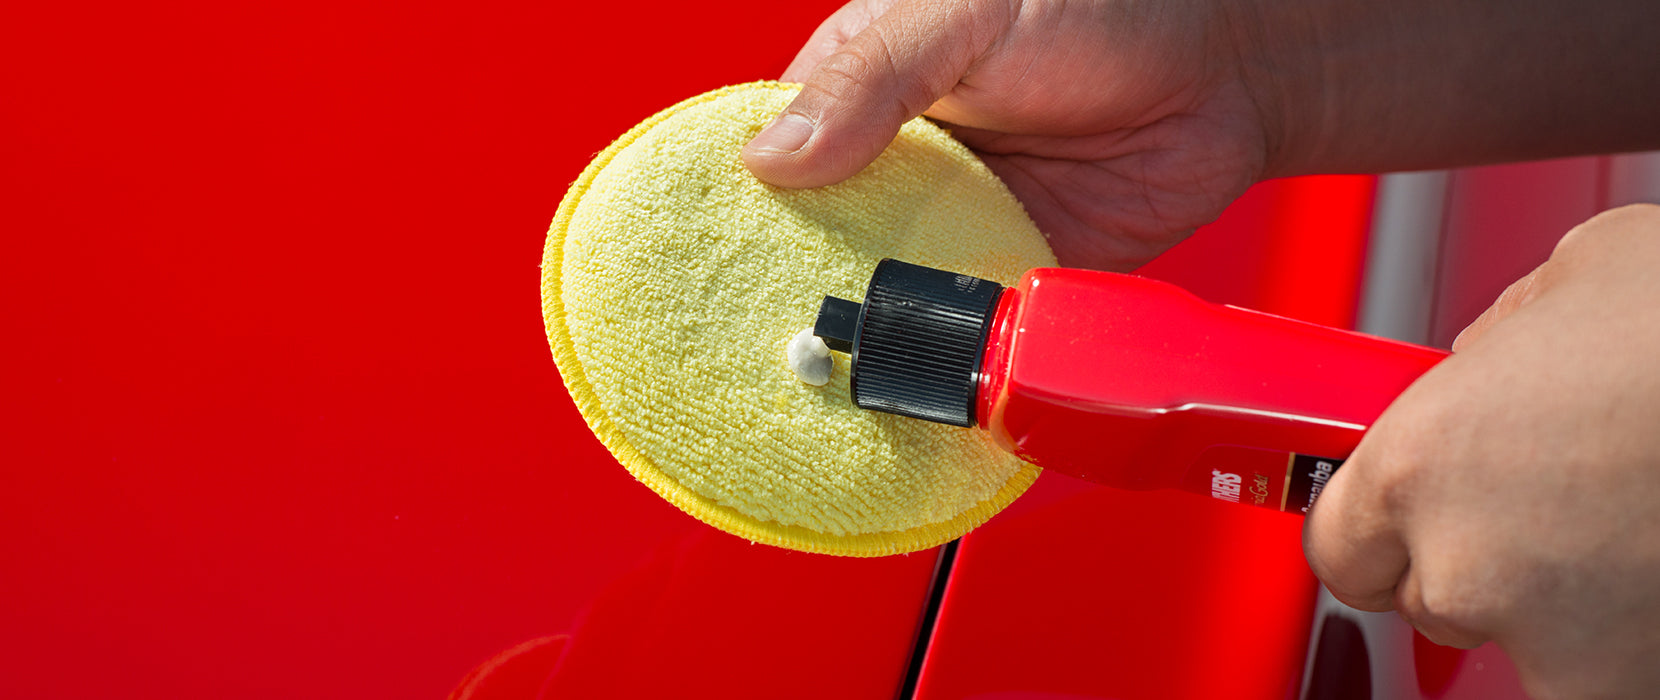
(1513, 493)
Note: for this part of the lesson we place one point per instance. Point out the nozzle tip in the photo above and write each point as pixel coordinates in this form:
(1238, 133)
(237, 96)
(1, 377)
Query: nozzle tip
(838, 322)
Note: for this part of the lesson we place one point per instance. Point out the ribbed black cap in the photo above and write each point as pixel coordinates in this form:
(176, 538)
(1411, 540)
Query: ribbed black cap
(919, 342)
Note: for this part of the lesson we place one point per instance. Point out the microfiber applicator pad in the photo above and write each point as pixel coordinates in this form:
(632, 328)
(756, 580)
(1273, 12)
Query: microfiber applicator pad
(673, 279)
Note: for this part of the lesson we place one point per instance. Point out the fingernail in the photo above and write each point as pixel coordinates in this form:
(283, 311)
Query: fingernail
(786, 134)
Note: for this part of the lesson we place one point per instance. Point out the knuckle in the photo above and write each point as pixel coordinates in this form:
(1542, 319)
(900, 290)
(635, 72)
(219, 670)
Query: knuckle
(896, 66)
(1604, 229)
(1443, 611)
(1642, 212)
(842, 75)
(862, 77)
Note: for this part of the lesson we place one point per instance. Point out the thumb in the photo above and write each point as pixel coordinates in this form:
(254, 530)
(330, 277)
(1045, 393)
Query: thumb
(854, 101)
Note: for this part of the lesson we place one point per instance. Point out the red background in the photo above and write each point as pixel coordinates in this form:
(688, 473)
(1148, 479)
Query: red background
(279, 417)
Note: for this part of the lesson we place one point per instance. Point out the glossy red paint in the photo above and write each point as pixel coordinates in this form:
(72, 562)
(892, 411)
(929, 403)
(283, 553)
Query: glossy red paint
(1501, 222)
(1435, 665)
(1084, 591)
(277, 417)
(1080, 590)
(514, 674)
(714, 616)
(1077, 359)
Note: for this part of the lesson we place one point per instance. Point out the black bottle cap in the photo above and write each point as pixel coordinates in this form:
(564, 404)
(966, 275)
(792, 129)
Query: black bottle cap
(917, 342)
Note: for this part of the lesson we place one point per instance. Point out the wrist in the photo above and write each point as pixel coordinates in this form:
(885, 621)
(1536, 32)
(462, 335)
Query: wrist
(1254, 36)
(1355, 86)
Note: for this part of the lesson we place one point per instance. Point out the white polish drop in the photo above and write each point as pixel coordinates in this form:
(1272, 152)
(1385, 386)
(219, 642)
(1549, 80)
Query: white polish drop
(809, 358)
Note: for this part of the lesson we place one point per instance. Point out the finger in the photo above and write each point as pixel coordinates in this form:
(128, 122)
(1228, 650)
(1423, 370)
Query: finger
(1351, 539)
(854, 101)
(831, 35)
(1438, 628)
(1514, 297)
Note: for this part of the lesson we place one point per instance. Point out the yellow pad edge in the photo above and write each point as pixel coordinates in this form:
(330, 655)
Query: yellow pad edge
(672, 280)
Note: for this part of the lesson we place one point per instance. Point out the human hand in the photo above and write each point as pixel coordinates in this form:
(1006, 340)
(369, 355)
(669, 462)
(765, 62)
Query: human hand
(1513, 493)
(1120, 124)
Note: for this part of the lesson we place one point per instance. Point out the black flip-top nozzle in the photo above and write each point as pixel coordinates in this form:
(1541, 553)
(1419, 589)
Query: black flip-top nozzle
(917, 341)
(838, 323)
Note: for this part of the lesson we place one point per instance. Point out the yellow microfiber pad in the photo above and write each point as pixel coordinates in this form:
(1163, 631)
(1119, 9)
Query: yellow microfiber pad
(673, 279)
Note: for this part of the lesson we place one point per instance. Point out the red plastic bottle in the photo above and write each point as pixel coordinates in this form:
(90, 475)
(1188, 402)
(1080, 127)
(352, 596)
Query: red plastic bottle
(1123, 380)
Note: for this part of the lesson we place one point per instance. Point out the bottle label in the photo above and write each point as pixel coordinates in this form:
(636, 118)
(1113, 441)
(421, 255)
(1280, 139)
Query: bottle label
(1288, 482)
(1306, 476)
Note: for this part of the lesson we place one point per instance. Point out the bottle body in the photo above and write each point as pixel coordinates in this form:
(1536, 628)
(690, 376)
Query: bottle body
(1138, 384)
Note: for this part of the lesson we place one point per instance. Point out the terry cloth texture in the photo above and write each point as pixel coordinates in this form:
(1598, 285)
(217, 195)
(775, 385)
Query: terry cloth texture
(673, 279)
